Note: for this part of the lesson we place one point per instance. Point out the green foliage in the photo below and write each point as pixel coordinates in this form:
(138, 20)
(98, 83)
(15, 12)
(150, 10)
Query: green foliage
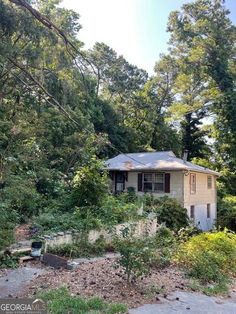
(47, 163)
(55, 221)
(129, 196)
(8, 261)
(117, 308)
(209, 257)
(168, 211)
(119, 209)
(90, 184)
(8, 221)
(184, 234)
(226, 212)
(202, 43)
(165, 244)
(114, 210)
(81, 248)
(59, 301)
(211, 289)
(136, 254)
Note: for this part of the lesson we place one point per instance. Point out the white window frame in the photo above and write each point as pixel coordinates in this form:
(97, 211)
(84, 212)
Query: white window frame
(153, 182)
(193, 186)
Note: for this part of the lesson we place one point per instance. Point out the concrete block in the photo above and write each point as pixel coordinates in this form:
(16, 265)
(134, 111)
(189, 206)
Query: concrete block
(71, 265)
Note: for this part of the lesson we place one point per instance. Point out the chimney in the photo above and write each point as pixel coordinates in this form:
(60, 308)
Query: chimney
(185, 156)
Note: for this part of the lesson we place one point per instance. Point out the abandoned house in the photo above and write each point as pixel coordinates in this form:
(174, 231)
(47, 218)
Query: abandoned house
(162, 173)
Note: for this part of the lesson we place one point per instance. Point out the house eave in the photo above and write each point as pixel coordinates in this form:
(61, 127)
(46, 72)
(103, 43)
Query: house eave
(187, 169)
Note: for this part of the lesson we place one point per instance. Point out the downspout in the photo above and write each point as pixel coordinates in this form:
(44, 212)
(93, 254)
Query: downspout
(183, 187)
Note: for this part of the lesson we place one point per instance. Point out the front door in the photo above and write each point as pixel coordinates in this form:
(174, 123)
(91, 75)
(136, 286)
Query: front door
(119, 181)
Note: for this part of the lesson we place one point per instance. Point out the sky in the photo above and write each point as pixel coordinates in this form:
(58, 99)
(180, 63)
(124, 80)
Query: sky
(135, 29)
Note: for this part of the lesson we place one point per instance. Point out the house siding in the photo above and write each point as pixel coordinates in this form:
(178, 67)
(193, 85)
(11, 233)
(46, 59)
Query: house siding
(180, 190)
(176, 184)
(200, 199)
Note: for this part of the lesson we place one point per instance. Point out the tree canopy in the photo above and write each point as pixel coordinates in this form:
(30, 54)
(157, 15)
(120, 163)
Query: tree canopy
(61, 104)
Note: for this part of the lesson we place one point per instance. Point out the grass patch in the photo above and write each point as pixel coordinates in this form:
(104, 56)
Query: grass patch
(151, 291)
(59, 301)
(210, 289)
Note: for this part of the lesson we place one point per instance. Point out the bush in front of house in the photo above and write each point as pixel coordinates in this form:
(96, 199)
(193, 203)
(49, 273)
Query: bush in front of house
(209, 257)
(136, 255)
(165, 243)
(168, 211)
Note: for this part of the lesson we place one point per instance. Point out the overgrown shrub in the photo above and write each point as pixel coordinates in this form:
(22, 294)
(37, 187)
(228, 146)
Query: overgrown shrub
(81, 248)
(136, 254)
(184, 234)
(8, 220)
(60, 301)
(129, 196)
(165, 243)
(55, 221)
(84, 218)
(118, 210)
(168, 211)
(8, 261)
(226, 212)
(90, 186)
(112, 211)
(209, 257)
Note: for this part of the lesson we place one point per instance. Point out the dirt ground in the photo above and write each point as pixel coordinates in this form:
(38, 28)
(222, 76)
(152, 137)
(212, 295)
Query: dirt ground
(101, 279)
(22, 232)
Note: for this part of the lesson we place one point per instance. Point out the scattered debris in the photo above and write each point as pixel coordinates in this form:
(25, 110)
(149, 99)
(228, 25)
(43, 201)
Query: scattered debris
(100, 278)
(24, 259)
(54, 260)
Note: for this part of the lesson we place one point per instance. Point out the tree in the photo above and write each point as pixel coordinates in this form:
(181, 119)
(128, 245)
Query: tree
(204, 28)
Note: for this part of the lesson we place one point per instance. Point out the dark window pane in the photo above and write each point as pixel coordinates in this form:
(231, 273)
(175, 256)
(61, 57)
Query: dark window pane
(147, 186)
(192, 214)
(208, 210)
(147, 177)
(159, 187)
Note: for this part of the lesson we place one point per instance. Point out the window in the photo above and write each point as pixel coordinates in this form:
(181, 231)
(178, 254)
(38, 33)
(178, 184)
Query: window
(147, 182)
(192, 183)
(192, 214)
(159, 182)
(153, 182)
(209, 182)
(120, 181)
(208, 210)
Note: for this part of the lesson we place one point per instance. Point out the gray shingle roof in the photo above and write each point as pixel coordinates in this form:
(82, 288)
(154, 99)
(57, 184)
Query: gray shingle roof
(152, 161)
